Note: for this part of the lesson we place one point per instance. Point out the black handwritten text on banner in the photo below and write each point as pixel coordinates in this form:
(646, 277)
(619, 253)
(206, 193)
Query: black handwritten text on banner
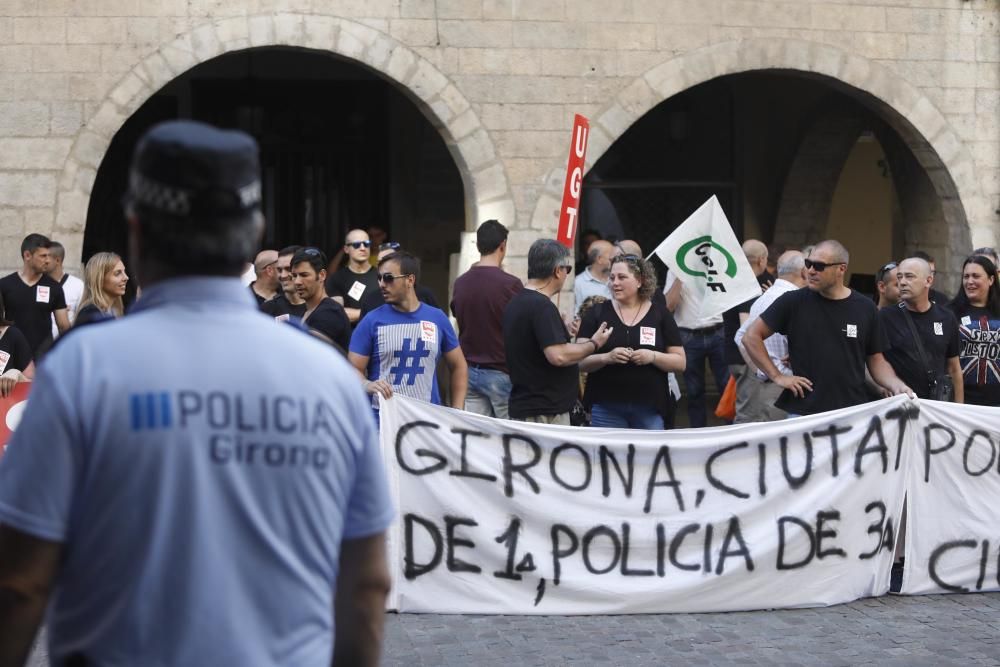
(503, 517)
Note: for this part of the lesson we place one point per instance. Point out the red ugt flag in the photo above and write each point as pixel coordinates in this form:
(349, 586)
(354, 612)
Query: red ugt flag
(574, 181)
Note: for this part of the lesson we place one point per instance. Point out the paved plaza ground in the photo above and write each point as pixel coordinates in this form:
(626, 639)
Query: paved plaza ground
(894, 630)
(931, 630)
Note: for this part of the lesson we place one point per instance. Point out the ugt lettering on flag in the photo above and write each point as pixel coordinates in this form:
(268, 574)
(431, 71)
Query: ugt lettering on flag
(574, 182)
(705, 256)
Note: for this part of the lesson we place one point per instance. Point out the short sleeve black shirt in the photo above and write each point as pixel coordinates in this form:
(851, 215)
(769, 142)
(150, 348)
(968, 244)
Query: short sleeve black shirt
(280, 305)
(629, 383)
(938, 330)
(531, 322)
(829, 342)
(30, 307)
(14, 351)
(354, 288)
(979, 336)
(330, 320)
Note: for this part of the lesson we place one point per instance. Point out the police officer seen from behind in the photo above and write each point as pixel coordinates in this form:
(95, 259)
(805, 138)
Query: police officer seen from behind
(184, 498)
(932, 360)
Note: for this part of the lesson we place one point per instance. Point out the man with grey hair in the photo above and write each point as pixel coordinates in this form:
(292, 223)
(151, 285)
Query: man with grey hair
(172, 438)
(936, 327)
(756, 253)
(755, 396)
(72, 286)
(833, 335)
(593, 281)
(541, 359)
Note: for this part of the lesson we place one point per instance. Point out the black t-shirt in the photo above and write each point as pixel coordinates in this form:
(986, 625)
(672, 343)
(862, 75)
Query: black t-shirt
(938, 330)
(353, 287)
(829, 342)
(616, 383)
(979, 356)
(279, 306)
(30, 307)
(330, 320)
(531, 322)
(14, 350)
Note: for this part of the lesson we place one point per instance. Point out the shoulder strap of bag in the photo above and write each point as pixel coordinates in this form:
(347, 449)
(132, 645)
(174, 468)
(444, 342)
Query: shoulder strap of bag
(916, 337)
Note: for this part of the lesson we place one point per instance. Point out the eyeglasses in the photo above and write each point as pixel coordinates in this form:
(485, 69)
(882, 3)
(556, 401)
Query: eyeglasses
(388, 278)
(310, 251)
(625, 258)
(881, 272)
(390, 245)
(822, 266)
(359, 244)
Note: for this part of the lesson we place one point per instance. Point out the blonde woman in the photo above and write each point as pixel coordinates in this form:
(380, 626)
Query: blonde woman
(104, 284)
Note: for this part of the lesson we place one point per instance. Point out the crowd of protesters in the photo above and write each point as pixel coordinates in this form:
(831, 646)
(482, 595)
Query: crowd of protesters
(616, 363)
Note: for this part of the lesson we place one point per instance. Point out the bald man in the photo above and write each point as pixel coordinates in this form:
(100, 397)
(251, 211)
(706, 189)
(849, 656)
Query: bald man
(934, 324)
(593, 281)
(265, 287)
(833, 335)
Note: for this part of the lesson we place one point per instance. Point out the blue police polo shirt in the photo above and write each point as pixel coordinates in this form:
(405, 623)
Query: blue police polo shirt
(201, 464)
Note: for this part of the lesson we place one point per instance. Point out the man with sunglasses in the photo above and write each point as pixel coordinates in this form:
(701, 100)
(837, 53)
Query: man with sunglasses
(351, 283)
(833, 335)
(886, 286)
(543, 362)
(324, 316)
(265, 287)
(397, 346)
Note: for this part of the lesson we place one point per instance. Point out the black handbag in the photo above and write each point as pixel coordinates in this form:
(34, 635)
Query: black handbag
(940, 387)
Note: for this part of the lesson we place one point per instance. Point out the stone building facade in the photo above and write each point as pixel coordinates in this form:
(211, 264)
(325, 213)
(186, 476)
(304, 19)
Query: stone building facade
(500, 81)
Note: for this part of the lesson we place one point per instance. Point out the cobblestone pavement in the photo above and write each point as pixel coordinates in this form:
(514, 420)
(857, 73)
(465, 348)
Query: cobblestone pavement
(894, 630)
(929, 630)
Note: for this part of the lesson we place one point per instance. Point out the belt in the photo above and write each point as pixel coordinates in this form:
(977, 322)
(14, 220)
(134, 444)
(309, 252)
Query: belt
(487, 367)
(704, 330)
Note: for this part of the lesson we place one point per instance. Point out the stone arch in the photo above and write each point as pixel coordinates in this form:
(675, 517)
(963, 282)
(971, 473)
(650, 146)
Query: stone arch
(926, 132)
(487, 190)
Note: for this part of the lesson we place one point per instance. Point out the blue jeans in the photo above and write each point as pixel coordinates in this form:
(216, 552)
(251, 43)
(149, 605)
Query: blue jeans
(699, 346)
(626, 415)
(488, 393)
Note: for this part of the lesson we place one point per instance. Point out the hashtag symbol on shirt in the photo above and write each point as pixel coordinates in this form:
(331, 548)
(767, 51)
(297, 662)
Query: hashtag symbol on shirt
(409, 362)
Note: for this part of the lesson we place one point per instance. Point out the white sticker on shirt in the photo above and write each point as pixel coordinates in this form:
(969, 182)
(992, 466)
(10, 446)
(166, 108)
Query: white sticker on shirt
(4, 358)
(42, 294)
(966, 319)
(428, 332)
(282, 318)
(852, 330)
(647, 335)
(357, 289)
(939, 328)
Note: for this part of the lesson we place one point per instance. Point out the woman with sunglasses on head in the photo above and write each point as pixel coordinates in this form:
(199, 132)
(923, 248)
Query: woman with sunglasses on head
(977, 307)
(627, 383)
(104, 284)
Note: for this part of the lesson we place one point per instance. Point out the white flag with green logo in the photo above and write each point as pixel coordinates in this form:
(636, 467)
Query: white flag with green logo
(704, 254)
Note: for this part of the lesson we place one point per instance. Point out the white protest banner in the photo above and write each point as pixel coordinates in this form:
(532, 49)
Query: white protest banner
(503, 517)
(953, 517)
(703, 253)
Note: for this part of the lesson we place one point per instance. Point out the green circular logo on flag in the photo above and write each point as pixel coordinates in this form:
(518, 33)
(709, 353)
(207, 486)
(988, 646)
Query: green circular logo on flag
(704, 266)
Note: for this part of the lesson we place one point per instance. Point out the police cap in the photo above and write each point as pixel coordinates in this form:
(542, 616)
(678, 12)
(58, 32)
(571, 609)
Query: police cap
(188, 169)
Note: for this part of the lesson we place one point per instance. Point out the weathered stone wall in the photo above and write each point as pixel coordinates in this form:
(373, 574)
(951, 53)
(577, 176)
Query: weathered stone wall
(501, 79)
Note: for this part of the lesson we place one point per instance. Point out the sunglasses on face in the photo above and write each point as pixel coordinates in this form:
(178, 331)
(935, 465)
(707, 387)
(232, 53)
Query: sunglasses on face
(822, 266)
(360, 244)
(388, 278)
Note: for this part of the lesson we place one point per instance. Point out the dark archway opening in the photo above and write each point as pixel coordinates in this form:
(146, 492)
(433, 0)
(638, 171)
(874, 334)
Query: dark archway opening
(341, 148)
(783, 151)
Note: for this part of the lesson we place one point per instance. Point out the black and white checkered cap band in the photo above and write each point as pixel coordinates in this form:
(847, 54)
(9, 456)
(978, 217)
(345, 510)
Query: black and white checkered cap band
(177, 201)
(159, 196)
